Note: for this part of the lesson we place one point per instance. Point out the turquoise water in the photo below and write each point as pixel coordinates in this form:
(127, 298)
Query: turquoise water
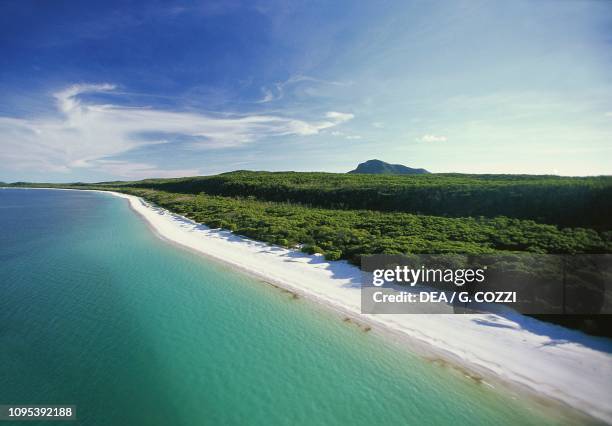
(98, 312)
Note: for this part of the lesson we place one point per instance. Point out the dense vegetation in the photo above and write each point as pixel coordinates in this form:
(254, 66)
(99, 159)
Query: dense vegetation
(364, 214)
(348, 234)
(564, 201)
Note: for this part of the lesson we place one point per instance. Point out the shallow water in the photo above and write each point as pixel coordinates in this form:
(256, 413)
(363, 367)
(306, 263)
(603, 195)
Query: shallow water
(96, 311)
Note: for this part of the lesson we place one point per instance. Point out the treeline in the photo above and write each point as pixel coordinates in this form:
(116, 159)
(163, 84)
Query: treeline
(349, 234)
(563, 201)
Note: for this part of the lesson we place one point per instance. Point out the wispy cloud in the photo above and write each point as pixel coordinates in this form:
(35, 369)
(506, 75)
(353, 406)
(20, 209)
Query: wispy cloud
(268, 96)
(137, 170)
(345, 135)
(278, 90)
(432, 138)
(83, 134)
(339, 117)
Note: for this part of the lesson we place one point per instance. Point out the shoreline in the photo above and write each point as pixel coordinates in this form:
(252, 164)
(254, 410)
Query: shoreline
(546, 361)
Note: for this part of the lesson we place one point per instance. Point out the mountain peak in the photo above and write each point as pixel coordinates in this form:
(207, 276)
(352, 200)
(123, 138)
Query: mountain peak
(382, 168)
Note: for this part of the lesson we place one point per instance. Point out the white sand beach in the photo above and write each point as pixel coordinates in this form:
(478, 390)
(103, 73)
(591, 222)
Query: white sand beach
(551, 361)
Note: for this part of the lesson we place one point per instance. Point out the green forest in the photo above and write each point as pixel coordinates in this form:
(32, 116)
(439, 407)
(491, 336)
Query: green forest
(564, 201)
(345, 216)
(348, 234)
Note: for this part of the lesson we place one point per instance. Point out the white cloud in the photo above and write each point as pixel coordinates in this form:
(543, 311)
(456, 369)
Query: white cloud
(277, 91)
(432, 138)
(345, 135)
(268, 96)
(609, 114)
(339, 117)
(85, 133)
(135, 170)
(378, 124)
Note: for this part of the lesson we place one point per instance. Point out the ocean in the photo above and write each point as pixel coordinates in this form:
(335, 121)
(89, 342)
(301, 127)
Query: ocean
(96, 311)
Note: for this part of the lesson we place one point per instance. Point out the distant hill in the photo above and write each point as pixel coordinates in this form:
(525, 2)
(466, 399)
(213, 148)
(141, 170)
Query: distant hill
(377, 167)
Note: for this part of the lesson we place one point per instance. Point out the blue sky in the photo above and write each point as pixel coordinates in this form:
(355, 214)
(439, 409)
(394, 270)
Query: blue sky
(126, 90)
